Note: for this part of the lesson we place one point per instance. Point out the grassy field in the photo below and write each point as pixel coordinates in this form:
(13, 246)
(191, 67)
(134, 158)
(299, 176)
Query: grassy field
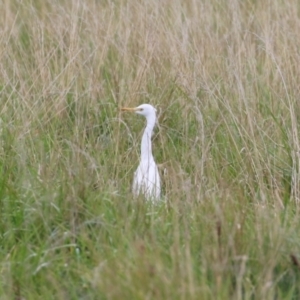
(224, 76)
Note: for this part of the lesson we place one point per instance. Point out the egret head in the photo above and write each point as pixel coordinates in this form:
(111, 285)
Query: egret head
(145, 110)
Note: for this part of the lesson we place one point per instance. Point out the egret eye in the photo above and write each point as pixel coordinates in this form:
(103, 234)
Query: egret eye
(141, 109)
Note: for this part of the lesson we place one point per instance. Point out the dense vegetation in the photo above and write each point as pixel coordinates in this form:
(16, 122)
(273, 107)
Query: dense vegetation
(224, 76)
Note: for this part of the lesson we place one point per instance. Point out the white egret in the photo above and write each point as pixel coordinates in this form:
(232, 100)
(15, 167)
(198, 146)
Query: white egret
(146, 177)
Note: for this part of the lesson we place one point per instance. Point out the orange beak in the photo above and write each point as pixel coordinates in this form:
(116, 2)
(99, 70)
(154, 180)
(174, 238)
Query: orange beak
(130, 109)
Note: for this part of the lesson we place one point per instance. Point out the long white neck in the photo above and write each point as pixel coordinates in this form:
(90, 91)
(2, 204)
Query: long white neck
(146, 146)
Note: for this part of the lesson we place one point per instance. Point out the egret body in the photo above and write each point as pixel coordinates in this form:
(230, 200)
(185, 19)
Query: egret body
(146, 177)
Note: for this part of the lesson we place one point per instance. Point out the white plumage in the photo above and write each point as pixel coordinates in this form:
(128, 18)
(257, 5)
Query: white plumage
(146, 177)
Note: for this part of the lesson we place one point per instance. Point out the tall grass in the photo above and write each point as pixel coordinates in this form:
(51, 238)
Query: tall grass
(224, 76)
